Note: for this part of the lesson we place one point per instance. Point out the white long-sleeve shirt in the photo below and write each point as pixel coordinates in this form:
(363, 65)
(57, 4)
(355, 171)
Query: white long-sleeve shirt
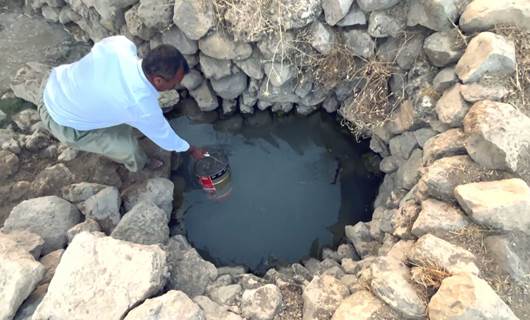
(108, 87)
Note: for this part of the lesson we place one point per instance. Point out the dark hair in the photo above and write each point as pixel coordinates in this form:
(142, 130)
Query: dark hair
(164, 61)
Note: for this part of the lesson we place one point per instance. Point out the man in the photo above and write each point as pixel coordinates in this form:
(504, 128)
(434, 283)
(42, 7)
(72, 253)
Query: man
(92, 104)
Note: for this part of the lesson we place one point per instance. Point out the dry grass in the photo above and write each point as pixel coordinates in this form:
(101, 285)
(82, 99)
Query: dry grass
(429, 275)
(520, 81)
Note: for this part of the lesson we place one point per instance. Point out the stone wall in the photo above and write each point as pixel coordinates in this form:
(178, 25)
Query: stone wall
(456, 159)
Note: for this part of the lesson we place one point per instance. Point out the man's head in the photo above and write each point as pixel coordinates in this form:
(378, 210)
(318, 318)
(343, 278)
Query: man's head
(164, 67)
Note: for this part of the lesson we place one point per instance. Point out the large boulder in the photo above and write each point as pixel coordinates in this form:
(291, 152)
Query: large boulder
(482, 15)
(230, 87)
(156, 14)
(104, 207)
(487, 54)
(26, 240)
(49, 217)
(101, 275)
(262, 303)
(511, 253)
(443, 48)
(438, 15)
(145, 223)
(189, 272)
(446, 144)
(19, 276)
(194, 18)
(172, 305)
(391, 283)
(214, 68)
(219, 46)
(499, 137)
(432, 251)
(503, 204)
(464, 297)
(156, 190)
(322, 297)
(362, 305)
(438, 218)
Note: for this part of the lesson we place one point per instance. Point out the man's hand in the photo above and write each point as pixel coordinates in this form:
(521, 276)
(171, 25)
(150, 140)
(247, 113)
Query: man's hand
(196, 153)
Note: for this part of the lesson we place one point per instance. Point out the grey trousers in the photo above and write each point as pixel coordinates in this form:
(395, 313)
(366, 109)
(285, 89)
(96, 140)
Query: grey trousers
(116, 143)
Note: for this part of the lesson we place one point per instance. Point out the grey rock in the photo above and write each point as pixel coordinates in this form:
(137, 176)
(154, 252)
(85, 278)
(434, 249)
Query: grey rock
(20, 275)
(335, 10)
(279, 73)
(403, 218)
(475, 92)
(214, 311)
(192, 80)
(50, 13)
(409, 173)
(498, 137)
(401, 120)
(382, 24)
(157, 190)
(189, 272)
(354, 17)
(194, 18)
(215, 68)
(438, 218)
(145, 223)
(262, 303)
(323, 37)
(446, 144)
(391, 283)
(9, 164)
(156, 14)
(28, 80)
(509, 252)
(466, 296)
(38, 140)
(502, 204)
(89, 225)
(390, 164)
(171, 305)
(424, 134)
(50, 263)
(68, 154)
(362, 240)
(51, 180)
(68, 15)
(79, 192)
(28, 241)
(360, 43)
(435, 14)
(373, 5)
(232, 271)
(451, 107)
(28, 307)
(26, 119)
(135, 25)
(322, 297)
(230, 87)
(226, 295)
(330, 104)
(443, 175)
(104, 207)
(268, 46)
(445, 79)
(252, 66)
(403, 145)
(297, 13)
(483, 15)
(219, 46)
(49, 217)
(430, 250)
(444, 48)
(487, 54)
(89, 268)
(362, 305)
(205, 97)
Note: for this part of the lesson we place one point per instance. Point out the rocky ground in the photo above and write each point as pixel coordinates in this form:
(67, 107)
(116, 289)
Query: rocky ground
(450, 232)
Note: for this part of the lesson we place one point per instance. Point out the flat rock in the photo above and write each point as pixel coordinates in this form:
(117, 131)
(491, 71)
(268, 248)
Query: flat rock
(157, 190)
(463, 297)
(438, 218)
(189, 272)
(145, 223)
(482, 15)
(104, 207)
(79, 192)
(510, 252)
(391, 283)
(475, 92)
(19, 276)
(362, 305)
(102, 275)
(262, 303)
(444, 175)
(451, 107)
(49, 217)
(444, 48)
(322, 297)
(171, 305)
(487, 54)
(499, 137)
(430, 250)
(194, 18)
(503, 204)
(26, 240)
(446, 144)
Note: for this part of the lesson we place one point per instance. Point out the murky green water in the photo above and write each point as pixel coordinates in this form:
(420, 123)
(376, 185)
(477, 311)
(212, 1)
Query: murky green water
(284, 204)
